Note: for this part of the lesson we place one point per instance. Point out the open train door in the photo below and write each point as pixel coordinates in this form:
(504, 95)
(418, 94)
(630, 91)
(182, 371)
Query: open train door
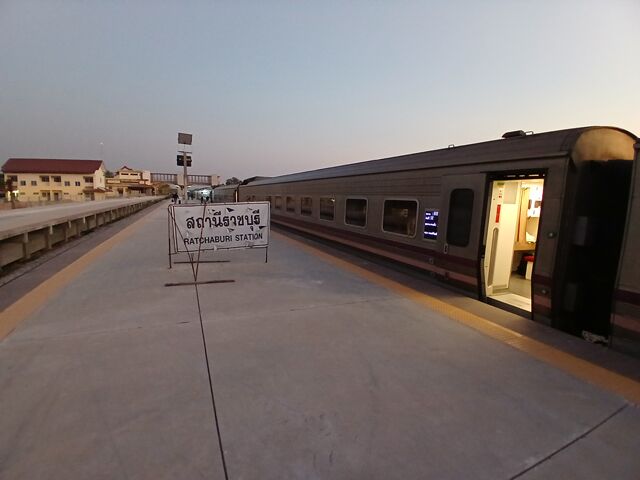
(514, 207)
(463, 203)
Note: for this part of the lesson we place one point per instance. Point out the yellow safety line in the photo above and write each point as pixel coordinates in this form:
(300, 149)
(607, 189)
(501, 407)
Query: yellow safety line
(590, 372)
(15, 313)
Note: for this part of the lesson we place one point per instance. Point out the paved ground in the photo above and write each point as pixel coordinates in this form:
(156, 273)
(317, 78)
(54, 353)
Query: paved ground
(318, 373)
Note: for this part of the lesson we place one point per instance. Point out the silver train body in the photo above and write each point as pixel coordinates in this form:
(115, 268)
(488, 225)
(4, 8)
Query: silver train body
(545, 225)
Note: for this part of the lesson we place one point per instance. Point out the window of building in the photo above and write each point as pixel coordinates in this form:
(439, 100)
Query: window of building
(77, 184)
(459, 221)
(291, 204)
(44, 178)
(400, 217)
(306, 206)
(327, 208)
(13, 178)
(430, 230)
(34, 183)
(88, 179)
(278, 203)
(67, 184)
(356, 212)
(23, 183)
(56, 178)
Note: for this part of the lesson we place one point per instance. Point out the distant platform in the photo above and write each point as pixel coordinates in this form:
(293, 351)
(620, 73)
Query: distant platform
(323, 366)
(25, 231)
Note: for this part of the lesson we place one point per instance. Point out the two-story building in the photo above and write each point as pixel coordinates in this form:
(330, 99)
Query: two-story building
(129, 182)
(48, 179)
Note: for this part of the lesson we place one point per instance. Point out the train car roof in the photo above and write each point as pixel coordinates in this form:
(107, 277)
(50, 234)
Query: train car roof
(231, 186)
(556, 144)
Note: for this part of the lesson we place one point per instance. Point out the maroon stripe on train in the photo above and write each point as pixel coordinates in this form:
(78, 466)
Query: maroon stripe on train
(542, 310)
(417, 252)
(628, 297)
(540, 280)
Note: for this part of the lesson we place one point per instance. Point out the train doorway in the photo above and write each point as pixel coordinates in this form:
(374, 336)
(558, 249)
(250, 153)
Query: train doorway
(511, 236)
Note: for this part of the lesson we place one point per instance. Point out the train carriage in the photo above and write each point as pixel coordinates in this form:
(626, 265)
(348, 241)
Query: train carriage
(230, 193)
(625, 315)
(530, 223)
(225, 193)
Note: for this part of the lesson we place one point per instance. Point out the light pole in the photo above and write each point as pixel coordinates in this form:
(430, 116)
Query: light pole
(184, 139)
(184, 159)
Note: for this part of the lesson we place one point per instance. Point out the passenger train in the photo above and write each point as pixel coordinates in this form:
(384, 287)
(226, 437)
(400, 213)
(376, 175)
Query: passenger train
(545, 225)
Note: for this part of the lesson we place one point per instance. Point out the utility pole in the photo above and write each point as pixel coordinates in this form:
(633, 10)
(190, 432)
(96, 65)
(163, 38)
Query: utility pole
(184, 139)
(184, 163)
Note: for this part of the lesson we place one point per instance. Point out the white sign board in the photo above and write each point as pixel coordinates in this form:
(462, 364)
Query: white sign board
(220, 226)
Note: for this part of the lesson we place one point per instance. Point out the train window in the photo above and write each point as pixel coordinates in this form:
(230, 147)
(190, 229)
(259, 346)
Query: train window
(278, 203)
(327, 208)
(400, 217)
(356, 212)
(306, 206)
(291, 204)
(460, 212)
(430, 231)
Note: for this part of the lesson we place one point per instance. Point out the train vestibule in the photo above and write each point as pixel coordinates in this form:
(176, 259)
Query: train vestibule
(511, 240)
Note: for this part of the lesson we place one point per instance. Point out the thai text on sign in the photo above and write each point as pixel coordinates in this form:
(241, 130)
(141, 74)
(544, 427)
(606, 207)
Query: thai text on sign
(220, 226)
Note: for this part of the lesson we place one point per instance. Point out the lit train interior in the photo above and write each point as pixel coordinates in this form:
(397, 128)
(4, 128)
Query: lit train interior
(512, 231)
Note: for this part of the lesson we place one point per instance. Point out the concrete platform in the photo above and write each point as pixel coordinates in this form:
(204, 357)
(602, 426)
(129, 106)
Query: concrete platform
(318, 373)
(20, 220)
(27, 231)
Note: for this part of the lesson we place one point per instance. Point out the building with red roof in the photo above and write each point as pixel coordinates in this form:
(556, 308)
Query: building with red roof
(55, 179)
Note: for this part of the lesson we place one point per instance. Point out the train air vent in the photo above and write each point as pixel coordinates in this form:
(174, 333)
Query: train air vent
(515, 133)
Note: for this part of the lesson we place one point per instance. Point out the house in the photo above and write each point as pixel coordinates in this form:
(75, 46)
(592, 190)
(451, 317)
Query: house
(52, 179)
(129, 182)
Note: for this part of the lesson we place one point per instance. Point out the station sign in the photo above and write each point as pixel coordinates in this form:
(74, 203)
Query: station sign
(185, 138)
(220, 226)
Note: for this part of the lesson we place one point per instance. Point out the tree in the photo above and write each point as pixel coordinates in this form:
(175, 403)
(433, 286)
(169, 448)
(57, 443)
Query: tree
(232, 181)
(8, 187)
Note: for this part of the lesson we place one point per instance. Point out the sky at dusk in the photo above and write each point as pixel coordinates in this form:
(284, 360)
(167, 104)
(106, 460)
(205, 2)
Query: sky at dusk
(274, 87)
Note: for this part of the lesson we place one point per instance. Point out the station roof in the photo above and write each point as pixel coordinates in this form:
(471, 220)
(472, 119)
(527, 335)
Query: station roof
(50, 165)
(519, 146)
